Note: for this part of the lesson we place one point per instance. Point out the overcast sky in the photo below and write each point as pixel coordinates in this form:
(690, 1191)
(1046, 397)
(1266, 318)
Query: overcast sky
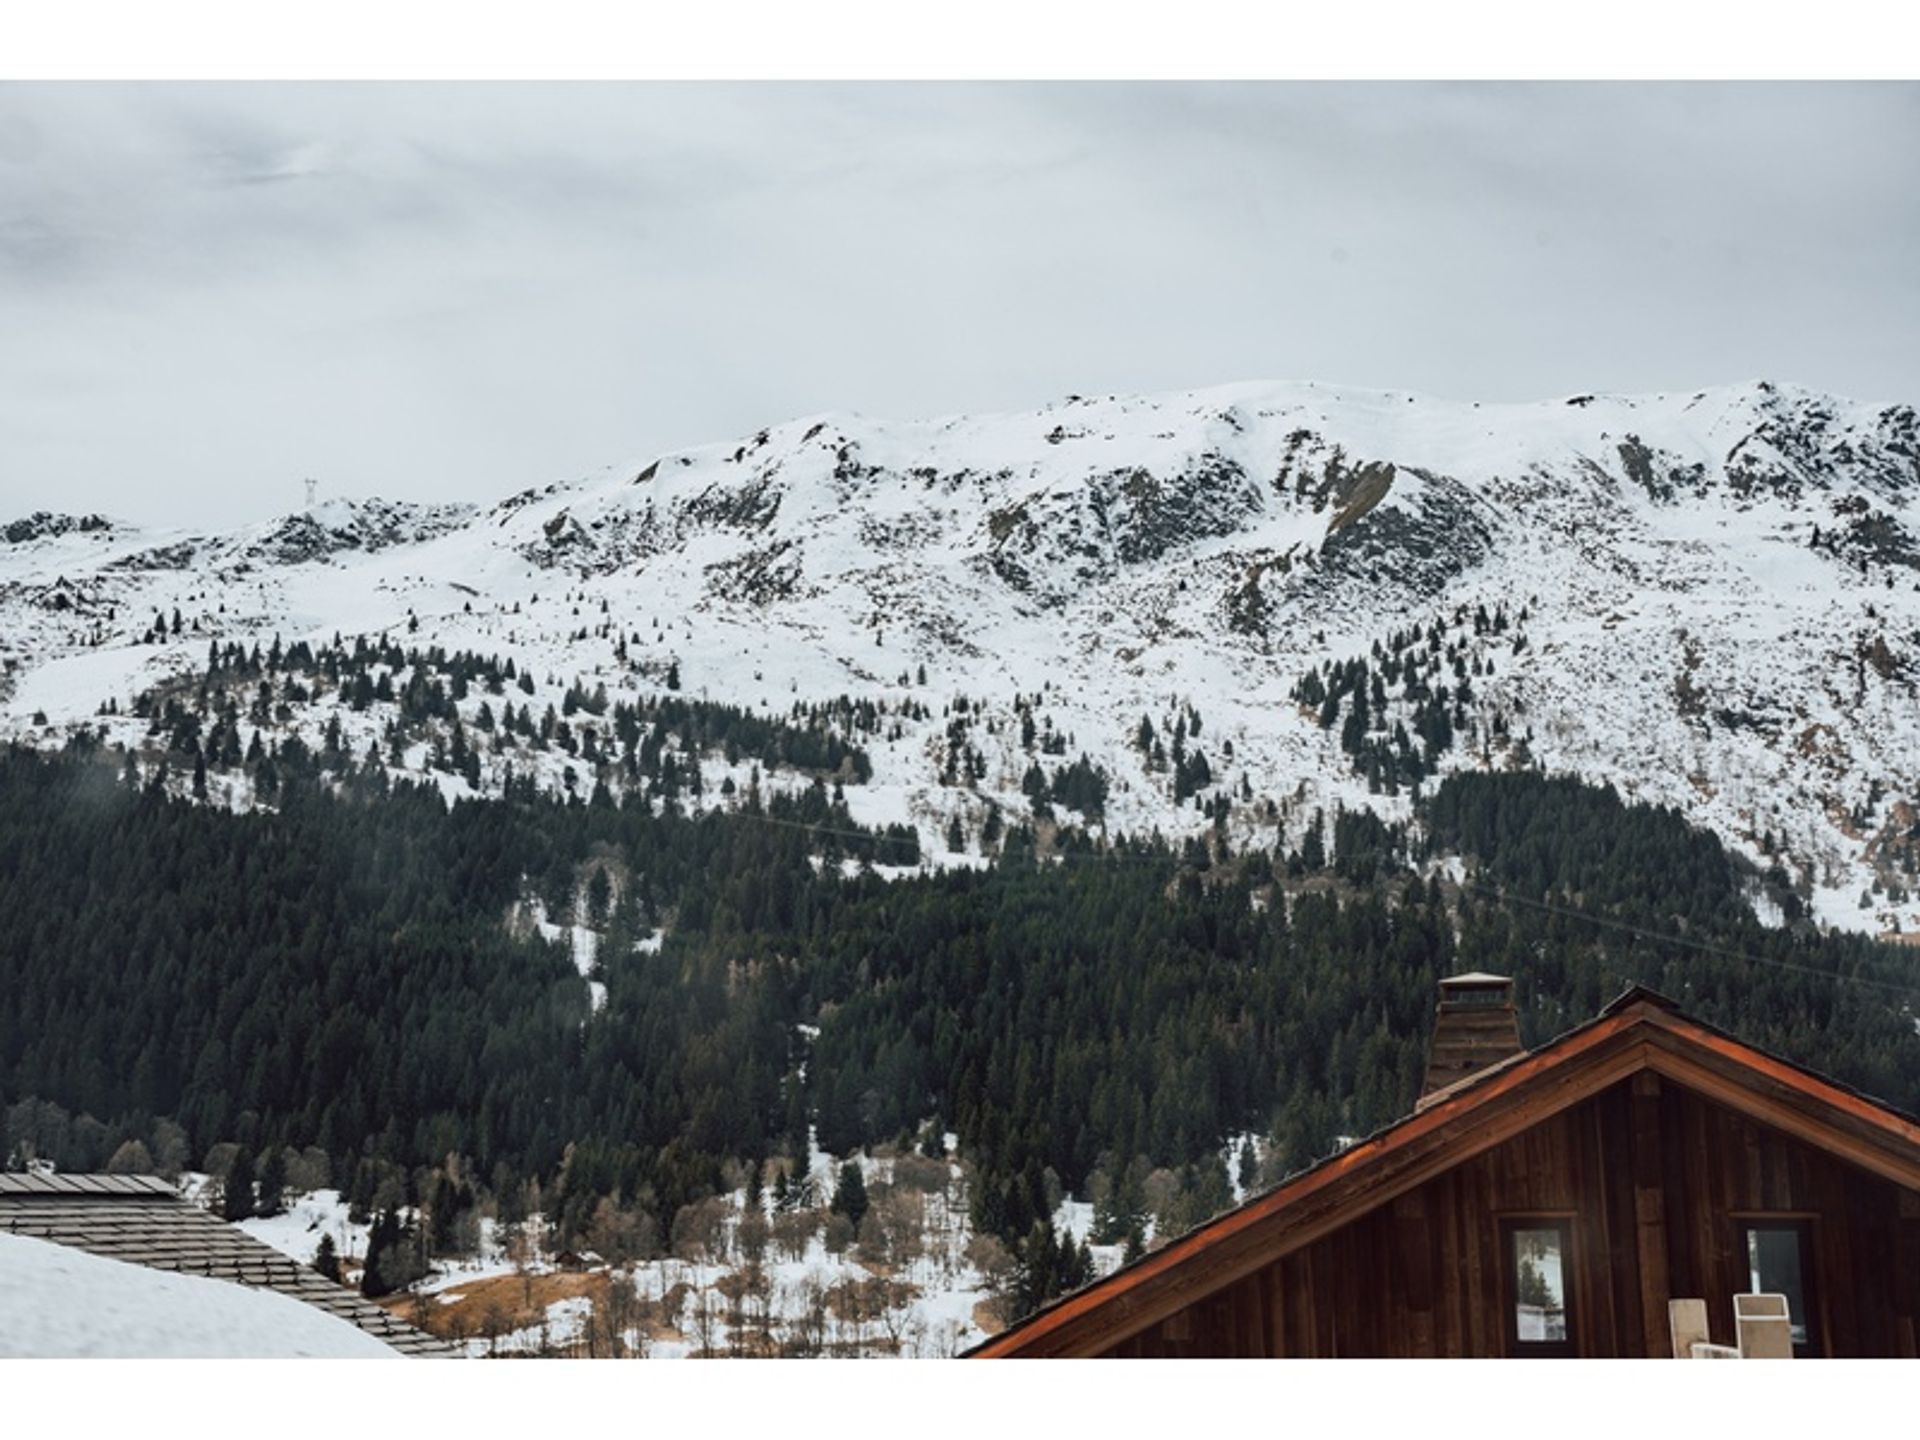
(454, 292)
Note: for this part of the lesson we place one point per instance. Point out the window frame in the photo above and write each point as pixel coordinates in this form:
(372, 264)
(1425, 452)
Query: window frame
(1801, 1224)
(1510, 1226)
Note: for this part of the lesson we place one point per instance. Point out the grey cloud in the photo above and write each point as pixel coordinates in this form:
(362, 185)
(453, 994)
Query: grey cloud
(453, 291)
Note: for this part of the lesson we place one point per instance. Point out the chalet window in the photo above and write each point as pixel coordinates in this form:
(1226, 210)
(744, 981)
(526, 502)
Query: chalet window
(1539, 1261)
(1777, 1254)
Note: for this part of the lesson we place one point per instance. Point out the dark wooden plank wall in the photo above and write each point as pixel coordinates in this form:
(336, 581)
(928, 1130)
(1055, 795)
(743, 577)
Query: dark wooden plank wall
(1865, 1231)
(1651, 1179)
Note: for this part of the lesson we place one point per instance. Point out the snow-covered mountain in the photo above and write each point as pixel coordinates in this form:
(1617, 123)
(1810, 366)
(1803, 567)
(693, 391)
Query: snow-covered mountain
(1710, 599)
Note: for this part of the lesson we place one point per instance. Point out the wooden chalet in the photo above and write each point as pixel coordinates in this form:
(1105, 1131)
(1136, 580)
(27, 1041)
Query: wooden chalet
(1549, 1202)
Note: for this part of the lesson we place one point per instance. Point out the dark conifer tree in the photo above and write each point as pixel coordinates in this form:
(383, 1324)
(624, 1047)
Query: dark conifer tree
(237, 1199)
(272, 1182)
(326, 1261)
(850, 1194)
(381, 1240)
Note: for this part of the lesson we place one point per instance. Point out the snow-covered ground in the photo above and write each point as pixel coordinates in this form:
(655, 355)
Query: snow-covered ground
(926, 1298)
(297, 1231)
(921, 1304)
(56, 1301)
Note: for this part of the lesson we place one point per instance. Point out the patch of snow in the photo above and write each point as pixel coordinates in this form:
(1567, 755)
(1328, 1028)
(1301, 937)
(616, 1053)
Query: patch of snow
(296, 1233)
(1230, 1153)
(1075, 1218)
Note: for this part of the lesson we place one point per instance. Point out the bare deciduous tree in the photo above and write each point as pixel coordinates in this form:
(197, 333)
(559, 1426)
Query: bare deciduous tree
(751, 1237)
(839, 1233)
(700, 1231)
(132, 1158)
(998, 1271)
(792, 1230)
(620, 1234)
(706, 1316)
(493, 1324)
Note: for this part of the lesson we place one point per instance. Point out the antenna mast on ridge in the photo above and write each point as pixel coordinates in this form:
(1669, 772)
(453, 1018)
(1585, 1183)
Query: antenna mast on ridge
(313, 494)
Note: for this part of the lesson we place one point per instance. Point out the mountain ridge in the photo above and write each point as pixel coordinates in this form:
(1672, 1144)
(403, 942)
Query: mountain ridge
(1719, 592)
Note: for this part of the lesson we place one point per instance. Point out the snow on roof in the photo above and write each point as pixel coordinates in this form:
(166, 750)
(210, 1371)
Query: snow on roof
(56, 1301)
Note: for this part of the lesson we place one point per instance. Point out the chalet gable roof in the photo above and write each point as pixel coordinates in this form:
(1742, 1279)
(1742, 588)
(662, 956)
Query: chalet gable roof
(1640, 1031)
(52, 1185)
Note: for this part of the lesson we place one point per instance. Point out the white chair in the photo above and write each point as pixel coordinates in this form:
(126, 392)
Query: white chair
(1764, 1327)
(1762, 1324)
(1687, 1323)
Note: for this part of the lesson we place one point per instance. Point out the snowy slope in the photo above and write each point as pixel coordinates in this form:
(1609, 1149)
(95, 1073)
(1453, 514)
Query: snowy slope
(1720, 587)
(56, 1301)
(297, 1231)
(930, 1300)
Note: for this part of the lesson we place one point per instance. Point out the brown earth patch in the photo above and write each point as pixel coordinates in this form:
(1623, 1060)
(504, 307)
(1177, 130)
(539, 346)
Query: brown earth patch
(502, 1303)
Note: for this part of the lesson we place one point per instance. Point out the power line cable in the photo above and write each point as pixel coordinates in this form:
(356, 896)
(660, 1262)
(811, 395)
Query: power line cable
(1908, 990)
(878, 838)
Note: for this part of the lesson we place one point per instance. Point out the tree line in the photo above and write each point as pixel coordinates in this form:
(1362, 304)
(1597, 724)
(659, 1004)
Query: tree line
(352, 977)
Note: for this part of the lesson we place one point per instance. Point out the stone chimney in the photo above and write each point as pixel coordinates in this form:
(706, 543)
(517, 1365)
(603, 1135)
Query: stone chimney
(1475, 1027)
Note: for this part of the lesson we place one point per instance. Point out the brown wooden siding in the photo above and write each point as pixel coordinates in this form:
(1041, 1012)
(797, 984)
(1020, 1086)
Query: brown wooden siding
(1655, 1181)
